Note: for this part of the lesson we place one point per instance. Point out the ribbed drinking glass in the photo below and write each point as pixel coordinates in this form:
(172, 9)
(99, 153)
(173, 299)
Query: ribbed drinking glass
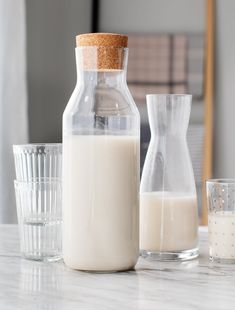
(36, 161)
(39, 218)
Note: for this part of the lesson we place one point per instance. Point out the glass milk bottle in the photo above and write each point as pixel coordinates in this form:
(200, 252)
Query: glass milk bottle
(101, 136)
(168, 202)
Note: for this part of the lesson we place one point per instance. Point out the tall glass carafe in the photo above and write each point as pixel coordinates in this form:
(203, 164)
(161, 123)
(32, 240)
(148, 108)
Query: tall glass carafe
(168, 202)
(101, 135)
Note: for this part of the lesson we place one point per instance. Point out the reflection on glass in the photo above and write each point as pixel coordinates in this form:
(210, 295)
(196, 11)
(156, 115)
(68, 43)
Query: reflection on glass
(42, 282)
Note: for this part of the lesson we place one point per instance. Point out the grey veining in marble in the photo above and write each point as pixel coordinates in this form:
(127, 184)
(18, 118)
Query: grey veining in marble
(196, 284)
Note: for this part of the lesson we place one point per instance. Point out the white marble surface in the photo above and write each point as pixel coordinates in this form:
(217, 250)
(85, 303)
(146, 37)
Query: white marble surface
(196, 284)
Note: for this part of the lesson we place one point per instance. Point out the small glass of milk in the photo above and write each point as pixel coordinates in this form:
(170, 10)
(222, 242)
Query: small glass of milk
(221, 219)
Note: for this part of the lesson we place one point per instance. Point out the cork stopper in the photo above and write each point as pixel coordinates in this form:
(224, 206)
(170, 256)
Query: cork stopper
(102, 51)
(102, 39)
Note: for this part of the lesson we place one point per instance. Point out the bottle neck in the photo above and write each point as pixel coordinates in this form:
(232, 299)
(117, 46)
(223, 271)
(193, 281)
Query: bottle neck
(91, 70)
(101, 78)
(168, 115)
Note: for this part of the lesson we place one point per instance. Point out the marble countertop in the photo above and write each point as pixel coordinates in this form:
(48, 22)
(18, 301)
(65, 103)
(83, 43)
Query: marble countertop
(196, 284)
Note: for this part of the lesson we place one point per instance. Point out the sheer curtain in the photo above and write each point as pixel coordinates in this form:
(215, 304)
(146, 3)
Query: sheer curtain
(13, 98)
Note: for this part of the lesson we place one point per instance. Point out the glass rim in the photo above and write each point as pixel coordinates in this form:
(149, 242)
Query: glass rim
(221, 181)
(36, 144)
(35, 147)
(189, 96)
(38, 182)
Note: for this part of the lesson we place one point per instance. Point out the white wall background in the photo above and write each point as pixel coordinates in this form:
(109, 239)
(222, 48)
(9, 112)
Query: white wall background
(152, 16)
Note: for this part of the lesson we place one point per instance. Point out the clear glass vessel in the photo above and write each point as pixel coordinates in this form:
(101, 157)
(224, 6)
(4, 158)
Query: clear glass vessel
(39, 218)
(101, 134)
(168, 202)
(221, 219)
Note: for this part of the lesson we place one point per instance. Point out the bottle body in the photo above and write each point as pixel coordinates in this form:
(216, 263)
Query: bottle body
(100, 173)
(168, 201)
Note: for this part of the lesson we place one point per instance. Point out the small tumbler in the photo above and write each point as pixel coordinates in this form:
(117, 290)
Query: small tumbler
(221, 219)
(39, 219)
(38, 200)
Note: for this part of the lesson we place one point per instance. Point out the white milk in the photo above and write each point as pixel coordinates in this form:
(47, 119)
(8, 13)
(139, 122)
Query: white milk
(222, 234)
(169, 223)
(100, 202)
